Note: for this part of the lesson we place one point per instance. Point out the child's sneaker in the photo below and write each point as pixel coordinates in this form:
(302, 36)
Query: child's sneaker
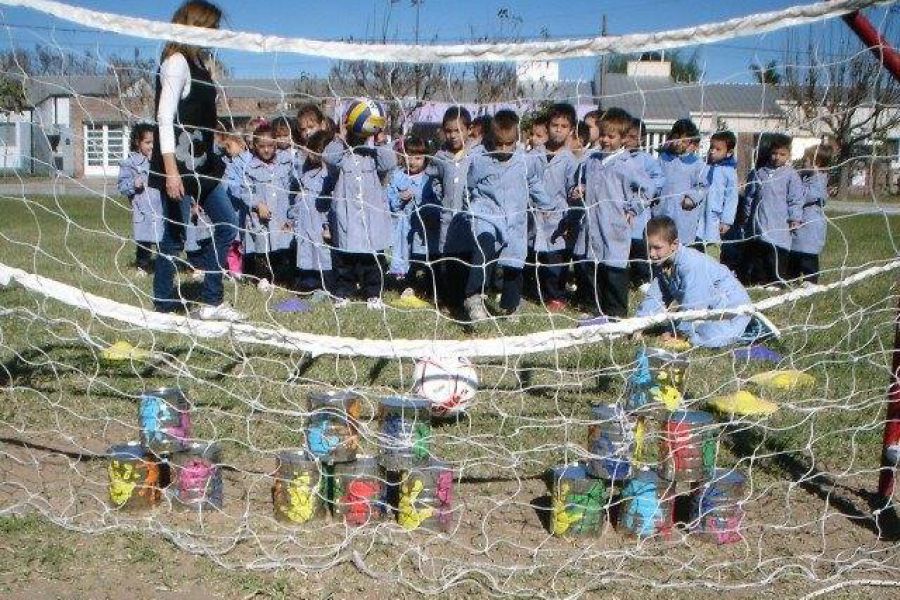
(375, 304)
(475, 309)
(644, 287)
(197, 275)
(140, 273)
(222, 312)
(341, 302)
(263, 285)
(556, 305)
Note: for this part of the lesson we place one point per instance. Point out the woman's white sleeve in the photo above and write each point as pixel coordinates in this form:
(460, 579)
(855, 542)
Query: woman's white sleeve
(175, 80)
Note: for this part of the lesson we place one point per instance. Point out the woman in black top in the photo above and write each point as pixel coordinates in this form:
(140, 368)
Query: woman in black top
(187, 171)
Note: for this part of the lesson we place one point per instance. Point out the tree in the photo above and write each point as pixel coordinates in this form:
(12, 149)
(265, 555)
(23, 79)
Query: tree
(684, 70)
(767, 74)
(834, 88)
(12, 96)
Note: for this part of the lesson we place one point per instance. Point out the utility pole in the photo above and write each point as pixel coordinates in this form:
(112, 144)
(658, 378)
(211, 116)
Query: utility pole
(604, 60)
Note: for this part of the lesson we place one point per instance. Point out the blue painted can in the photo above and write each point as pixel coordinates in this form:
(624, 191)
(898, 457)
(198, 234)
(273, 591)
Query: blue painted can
(717, 507)
(611, 442)
(164, 415)
(404, 438)
(332, 429)
(657, 374)
(647, 506)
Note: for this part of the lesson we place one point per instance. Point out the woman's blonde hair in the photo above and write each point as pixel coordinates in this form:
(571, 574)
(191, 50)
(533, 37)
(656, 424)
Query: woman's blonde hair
(196, 13)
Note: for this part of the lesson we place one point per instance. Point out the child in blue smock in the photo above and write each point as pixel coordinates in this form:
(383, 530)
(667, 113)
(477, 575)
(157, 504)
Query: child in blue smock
(721, 203)
(808, 240)
(416, 217)
(265, 192)
(691, 280)
(312, 186)
(775, 203)
(612, 182)
(448, 172)
(559, 167)
(501, 181)
(360, 216)
(682, 195)
(637, 258)
(146, 203)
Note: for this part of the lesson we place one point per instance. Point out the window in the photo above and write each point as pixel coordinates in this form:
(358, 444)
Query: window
(7, 134)
(104, 147)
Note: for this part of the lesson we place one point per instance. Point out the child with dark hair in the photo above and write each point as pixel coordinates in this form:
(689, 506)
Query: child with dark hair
(637, 258)
(580, 140)
(265, 191)
(775, 208)
(312, 186)
(146, 201)
(592, 120)
(683, 193)
(808, 240)
(501, 181)
(691, 280)
(611, 180)
(416, 222)
(448, 171)
(310, 119)
(538, 130)
(284, 133)
(479, 130)
(721, 203)
(558, 169)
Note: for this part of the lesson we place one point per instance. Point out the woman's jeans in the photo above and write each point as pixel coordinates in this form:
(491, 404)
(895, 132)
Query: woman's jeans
(222, 224)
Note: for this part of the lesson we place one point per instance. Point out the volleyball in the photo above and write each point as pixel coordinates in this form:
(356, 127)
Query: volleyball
(449, 383)
(364, 117)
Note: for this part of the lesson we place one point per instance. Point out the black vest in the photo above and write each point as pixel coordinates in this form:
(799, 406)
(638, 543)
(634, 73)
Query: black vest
(195, 124)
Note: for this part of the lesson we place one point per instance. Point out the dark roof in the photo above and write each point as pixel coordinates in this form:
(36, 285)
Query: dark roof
(44, 86)
(661, 98)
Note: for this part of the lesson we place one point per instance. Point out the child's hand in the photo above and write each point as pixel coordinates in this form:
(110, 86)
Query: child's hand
(139, 183)
(406, 195)
(688, 204)
(326, 233)
(792, 225)
(629, 218)
(263, 211)
(287, 226)
(723, 228)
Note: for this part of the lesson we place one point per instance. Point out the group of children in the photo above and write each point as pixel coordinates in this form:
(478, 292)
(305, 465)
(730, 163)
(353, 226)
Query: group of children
(563, 216)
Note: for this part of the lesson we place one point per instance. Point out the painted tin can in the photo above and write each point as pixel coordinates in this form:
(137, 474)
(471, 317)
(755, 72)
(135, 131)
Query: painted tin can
(359, 492)
(577, 501)
(426, 498)
(647, 507)
(165, 420)
(197, 476)
(300, 491)
(134, 477)
(687, 447)
(332, 429)
(405, 433)
(612, 438)
(657, 383)
(717, 507)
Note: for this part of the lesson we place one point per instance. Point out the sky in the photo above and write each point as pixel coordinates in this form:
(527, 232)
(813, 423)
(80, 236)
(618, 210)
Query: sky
(439, 20)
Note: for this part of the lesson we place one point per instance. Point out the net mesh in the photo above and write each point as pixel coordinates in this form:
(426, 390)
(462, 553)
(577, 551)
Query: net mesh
(796, 452)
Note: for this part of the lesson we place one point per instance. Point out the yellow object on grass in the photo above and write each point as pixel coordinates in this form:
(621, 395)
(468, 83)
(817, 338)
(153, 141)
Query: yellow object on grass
(410, 303)
(676, 344)
(123, 351)
(781, 381)
(743, 403)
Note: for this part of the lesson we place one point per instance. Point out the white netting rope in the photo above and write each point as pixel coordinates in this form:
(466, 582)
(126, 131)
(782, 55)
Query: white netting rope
(754, 24)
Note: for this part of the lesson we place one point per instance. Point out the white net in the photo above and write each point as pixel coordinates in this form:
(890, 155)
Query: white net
(554, 455)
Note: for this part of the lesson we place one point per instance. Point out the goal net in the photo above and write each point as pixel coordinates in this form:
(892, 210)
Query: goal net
(396, 440)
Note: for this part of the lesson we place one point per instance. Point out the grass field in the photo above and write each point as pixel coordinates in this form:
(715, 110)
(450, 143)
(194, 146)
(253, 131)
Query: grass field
(812, 464)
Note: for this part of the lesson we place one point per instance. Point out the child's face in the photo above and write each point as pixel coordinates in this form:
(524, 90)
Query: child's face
(780, 157)
(539, 135)
(593, 131)
(559, 131)
(681, 145)
(233, 145)
(283, 138)
(610, 138)
(504, 141)
(264, 146)
(145, 145)
(308, 125)
(632, 139)
(660, 249)
(454, 135)
(415, 163)
(475, 133)
(718, 150)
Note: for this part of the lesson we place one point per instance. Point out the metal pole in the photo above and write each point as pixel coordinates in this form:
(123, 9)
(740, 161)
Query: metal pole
(879, 46)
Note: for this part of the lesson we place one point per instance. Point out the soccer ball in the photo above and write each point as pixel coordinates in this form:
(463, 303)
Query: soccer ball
(449, 383)
(364, 117)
